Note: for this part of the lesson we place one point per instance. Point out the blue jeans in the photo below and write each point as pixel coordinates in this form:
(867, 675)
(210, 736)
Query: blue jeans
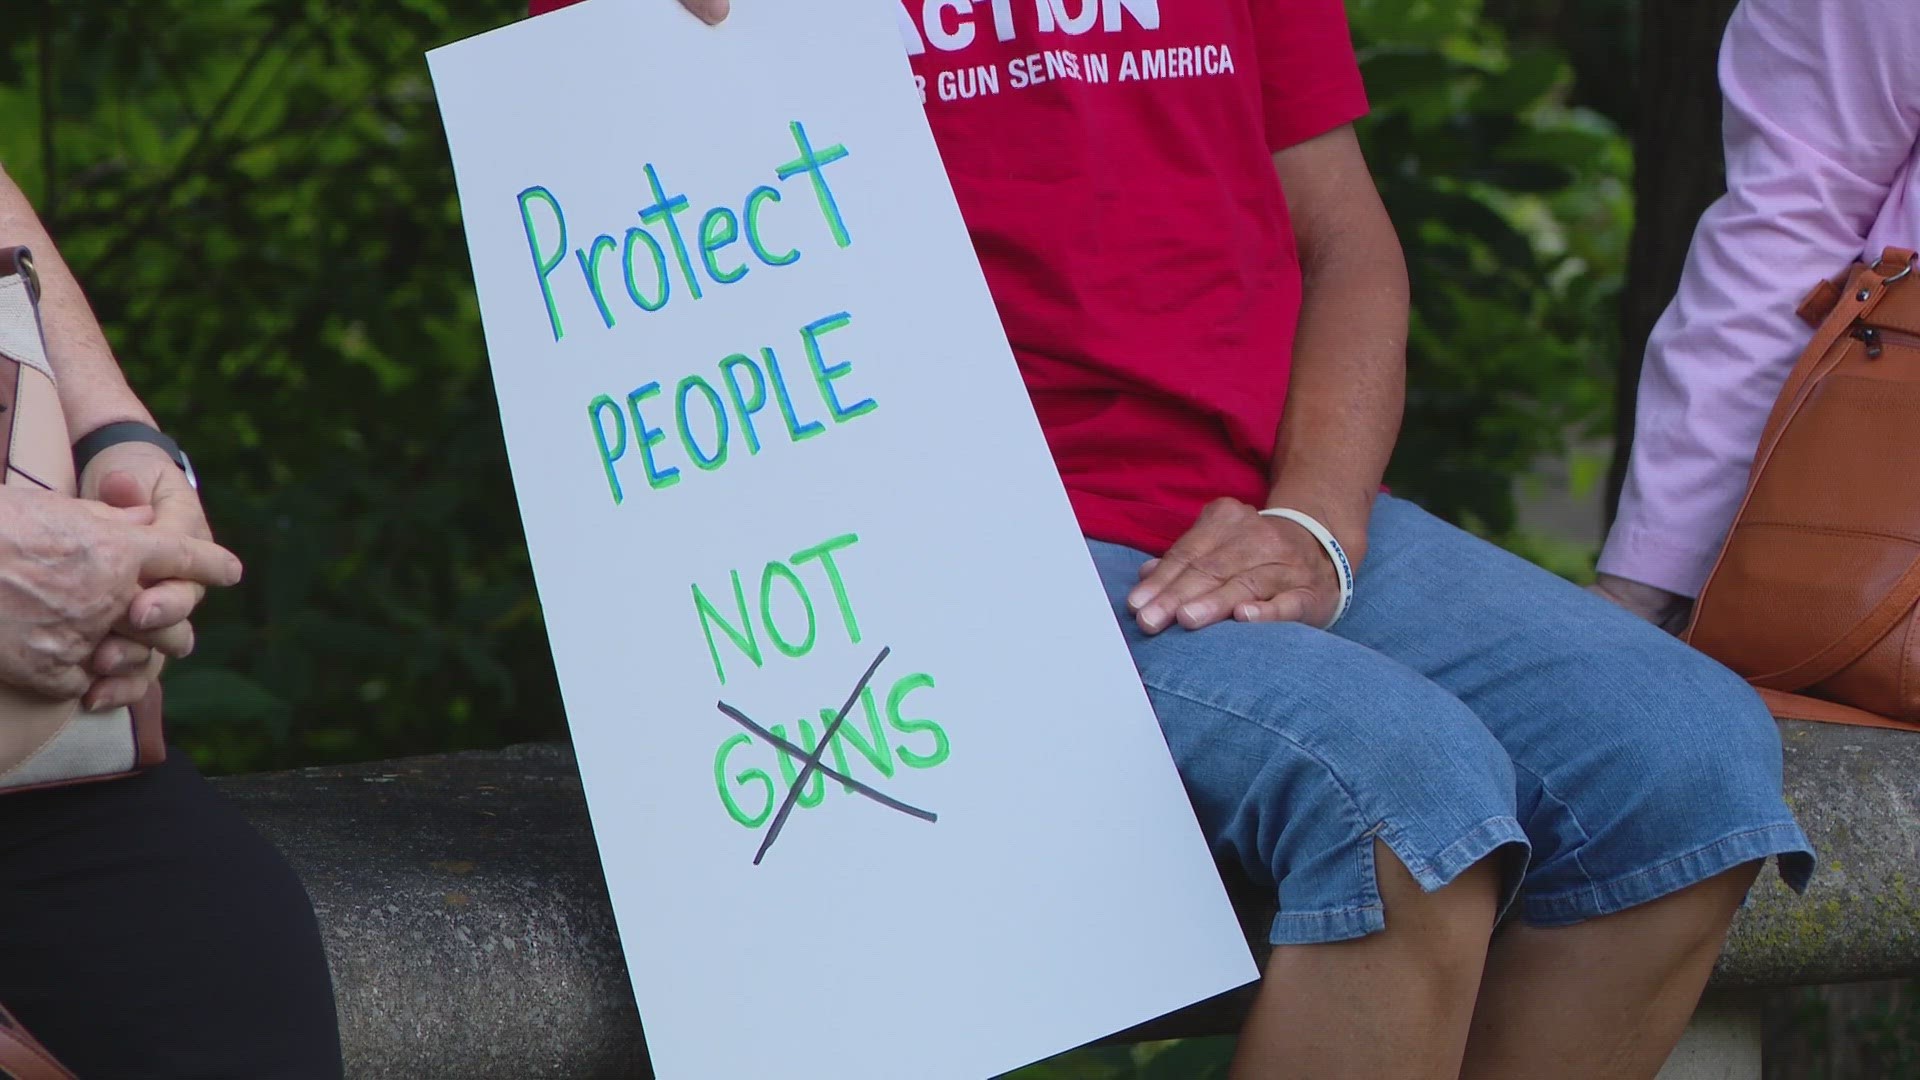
(1469, 702)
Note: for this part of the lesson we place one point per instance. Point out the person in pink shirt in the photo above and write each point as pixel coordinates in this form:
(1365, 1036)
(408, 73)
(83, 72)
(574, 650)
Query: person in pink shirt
(1822, 131)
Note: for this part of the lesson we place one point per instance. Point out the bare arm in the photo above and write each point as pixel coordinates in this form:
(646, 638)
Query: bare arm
(1341, 420)
(1349, 355)
(152, 621)
(92, 389)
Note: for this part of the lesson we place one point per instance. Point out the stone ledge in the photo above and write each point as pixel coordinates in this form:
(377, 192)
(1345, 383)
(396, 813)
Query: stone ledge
(470, 936)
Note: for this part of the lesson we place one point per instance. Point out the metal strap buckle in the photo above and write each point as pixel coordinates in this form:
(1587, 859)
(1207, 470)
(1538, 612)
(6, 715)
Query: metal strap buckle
(1908, 269)
(31, 275)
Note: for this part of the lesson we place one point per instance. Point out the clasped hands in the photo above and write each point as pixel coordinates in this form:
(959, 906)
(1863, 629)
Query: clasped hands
(95, 592)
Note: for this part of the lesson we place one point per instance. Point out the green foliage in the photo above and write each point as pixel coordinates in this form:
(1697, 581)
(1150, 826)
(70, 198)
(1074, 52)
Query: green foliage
(1514, 210)
(258, 197)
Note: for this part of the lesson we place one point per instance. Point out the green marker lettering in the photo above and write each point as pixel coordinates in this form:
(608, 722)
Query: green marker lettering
(816, 790)
(619, 449)
(717, 230)
(824, 553)
(877, 752)
(659, 271)
(719, 458)
(745, 777)
(742, 638)
(796, 431)
(650, 437)
(897, 698)
(545, 265)
(663, 211)
(812, 164)
(590, 266)
(780, 570)
(758, 198)
(728, 368)
(824, 374)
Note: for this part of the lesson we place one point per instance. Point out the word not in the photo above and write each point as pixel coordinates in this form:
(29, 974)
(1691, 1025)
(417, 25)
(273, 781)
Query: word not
(741, 631)
(952, 25)
(648, 280)
(813, 764)
(750, 387)
(872, 743)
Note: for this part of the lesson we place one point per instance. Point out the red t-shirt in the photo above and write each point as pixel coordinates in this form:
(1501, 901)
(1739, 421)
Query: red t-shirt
(1112, 159)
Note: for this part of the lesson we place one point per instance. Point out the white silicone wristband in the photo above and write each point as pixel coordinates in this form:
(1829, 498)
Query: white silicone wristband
(1342, 568)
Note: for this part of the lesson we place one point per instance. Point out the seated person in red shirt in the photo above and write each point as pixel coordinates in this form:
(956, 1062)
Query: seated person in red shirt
(1508, 822)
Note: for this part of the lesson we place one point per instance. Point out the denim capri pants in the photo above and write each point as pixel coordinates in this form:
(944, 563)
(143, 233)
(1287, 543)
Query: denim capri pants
(1468, 702)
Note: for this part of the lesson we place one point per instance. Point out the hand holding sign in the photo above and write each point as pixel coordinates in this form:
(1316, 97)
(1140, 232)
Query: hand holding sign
(710, 11)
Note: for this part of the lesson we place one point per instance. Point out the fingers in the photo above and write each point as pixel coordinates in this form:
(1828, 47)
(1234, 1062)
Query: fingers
(711, 12)
(1152, 601)
(123, 489)
(1165, 591)
(119, 656)
(1251, 587)
(128, 515)
(1202, 597)
(1233, 564)
(118, 691)
(1294, 605)
(174, 638)
(165, 555)
(164, 605)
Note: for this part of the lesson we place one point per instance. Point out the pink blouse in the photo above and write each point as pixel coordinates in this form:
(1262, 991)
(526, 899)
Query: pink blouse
(1822, 101)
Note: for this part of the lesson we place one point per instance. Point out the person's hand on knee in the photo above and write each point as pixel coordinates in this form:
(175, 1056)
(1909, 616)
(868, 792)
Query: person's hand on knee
(1236, 563)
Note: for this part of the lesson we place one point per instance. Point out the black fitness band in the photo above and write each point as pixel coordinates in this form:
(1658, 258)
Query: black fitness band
(92, 443)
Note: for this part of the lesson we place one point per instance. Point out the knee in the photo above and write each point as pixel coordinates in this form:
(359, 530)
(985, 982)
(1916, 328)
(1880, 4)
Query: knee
(1446, 931)
(1704, 739)
(1694, 921)
(1720, 896)
(1695, 774)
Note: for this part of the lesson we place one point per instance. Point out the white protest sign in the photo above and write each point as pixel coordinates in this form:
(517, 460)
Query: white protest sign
(783, 488)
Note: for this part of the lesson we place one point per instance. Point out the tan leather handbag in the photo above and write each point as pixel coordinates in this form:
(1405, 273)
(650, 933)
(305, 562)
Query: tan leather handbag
(1815, 598)
(50, 743)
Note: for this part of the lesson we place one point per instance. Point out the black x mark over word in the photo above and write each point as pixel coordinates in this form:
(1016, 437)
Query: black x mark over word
(812, 762)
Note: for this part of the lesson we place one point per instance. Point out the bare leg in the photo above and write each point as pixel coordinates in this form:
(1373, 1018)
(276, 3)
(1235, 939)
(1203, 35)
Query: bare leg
(1394, 1004)
(1606, 999)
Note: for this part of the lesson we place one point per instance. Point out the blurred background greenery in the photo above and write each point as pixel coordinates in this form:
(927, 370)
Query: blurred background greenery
(257, 196)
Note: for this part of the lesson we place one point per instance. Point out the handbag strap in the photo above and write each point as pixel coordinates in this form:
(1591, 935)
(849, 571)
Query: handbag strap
(1865, 287)
(1864, 290)
(20, 337)
(1853, 644)
(1787, 706)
